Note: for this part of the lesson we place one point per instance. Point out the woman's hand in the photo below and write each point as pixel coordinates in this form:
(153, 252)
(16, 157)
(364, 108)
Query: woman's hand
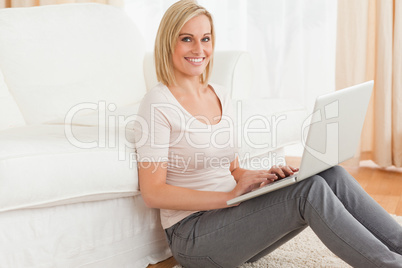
(248, 180)
(282, 171)
(252, 179)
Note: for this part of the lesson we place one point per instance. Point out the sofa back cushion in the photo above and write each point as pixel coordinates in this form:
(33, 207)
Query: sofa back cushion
(10, 115)
(55, 57)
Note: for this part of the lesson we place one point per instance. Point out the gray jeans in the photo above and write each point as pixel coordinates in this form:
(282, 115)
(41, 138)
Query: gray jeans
(346, 219)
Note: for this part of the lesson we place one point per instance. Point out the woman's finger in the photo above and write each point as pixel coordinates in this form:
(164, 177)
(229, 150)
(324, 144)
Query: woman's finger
(272, 177)
(293, 168)
(278, 171)
(287, 170)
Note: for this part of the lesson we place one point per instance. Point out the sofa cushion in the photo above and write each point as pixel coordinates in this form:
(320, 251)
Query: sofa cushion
(54, 57)
(10, 115)
(40, 167)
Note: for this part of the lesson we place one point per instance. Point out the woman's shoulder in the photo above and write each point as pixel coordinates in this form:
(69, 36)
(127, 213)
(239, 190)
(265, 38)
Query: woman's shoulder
(156, 95)
(221, 91)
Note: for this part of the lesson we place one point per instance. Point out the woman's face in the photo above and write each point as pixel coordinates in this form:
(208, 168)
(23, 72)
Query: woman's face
(193, 48)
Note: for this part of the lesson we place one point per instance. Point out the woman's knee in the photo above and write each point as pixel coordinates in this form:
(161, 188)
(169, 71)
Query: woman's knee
(335, 171)
(336, 175)
(317, 180)
(316, 184)
(339, 180)
(339, 170)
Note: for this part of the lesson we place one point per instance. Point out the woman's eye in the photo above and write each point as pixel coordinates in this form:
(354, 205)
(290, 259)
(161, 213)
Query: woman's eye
(188, 39)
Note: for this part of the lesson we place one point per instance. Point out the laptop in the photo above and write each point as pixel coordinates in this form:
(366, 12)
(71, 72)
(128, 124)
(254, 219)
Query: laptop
(330, 135)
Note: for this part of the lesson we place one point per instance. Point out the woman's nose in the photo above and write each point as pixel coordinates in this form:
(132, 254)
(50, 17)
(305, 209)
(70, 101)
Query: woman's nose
(197, 47)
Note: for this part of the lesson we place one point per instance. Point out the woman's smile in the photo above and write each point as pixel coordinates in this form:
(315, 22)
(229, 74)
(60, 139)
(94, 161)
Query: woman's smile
(195, 60)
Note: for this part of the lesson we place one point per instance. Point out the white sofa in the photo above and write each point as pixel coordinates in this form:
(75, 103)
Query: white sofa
(71, 79)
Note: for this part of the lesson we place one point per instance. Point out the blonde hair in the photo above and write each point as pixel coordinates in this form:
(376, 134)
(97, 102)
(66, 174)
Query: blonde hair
(169, 29)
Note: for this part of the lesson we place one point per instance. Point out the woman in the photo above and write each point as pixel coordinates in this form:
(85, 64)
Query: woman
(184, 125)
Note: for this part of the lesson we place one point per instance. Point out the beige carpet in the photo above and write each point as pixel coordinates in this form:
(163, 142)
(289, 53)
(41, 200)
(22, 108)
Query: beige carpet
(305, 250)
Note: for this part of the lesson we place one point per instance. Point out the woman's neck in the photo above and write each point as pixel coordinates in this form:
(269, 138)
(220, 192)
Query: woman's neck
(188, 86)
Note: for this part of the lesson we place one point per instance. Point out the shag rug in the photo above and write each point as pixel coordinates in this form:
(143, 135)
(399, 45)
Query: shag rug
(305, 250)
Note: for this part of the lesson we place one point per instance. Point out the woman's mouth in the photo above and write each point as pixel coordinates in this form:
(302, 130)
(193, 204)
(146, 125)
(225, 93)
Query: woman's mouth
(195, 61)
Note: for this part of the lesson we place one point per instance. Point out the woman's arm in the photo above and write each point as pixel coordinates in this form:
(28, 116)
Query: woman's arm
(157, 194)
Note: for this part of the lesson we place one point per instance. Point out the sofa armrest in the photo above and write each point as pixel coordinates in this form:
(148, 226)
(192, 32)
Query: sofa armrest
(41, 167)
(232, 69)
